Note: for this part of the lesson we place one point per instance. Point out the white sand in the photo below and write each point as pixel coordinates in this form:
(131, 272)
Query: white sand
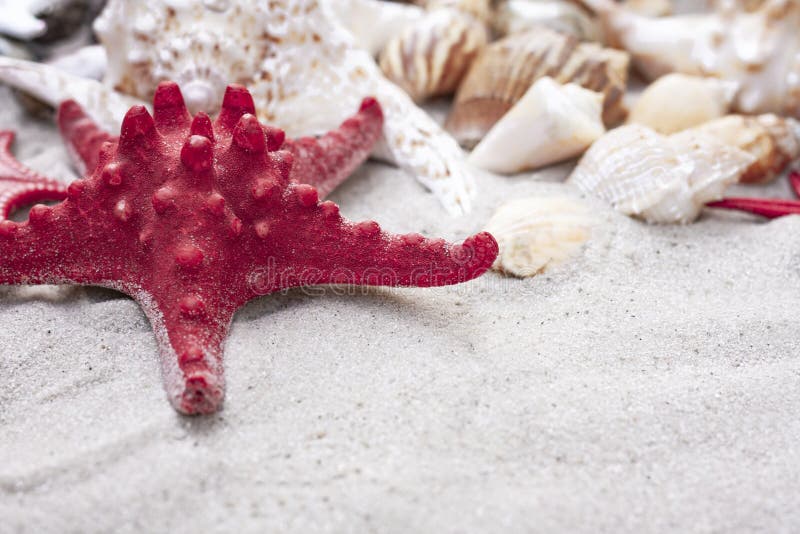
(650, 385)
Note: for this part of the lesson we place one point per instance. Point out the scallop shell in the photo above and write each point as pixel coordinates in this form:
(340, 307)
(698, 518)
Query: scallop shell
(757, 48)
(676, 102)
(506, 69)
(658, 178)
(536, 234)
(773, 141)
(431, 57)
(550, 123)
(517, 16)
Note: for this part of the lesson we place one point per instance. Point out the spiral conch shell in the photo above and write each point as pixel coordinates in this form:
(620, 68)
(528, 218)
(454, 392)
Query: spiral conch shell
(657, 178)
(551, 123)
(676, 102)
(536, 234)
(506, 69)
(773, 141)
(431, 57)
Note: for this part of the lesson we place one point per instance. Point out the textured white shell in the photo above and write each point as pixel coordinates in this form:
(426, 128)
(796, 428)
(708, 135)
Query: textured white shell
(535, 234)
(676, 102)
(759, 49)
(302, 66)
(550, 123)
(657, 178)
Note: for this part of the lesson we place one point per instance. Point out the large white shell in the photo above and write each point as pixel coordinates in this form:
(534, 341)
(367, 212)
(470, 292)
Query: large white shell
(536, 234)
(758, 49)
(676, 102)
(657, 178)
(550, 123)
(302, 66)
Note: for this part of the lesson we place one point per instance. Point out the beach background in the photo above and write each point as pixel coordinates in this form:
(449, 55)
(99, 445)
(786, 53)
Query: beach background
(649, 385)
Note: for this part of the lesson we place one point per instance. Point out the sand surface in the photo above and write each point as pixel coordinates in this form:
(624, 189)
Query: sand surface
(650, 385)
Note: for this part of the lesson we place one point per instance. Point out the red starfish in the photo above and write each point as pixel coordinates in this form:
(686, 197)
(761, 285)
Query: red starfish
(324, 161)
(20, 185)
(194, 219)
(771, 208)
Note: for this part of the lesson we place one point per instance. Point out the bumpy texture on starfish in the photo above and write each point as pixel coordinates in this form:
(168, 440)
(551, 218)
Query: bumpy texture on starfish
(194, 219)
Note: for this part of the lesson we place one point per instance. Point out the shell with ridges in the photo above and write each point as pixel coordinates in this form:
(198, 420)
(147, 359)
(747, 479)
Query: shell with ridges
(431, 57)
(550, 123)
(506, 69)
(517, 16)
(677, 101)
(658, 178)
(536, 234)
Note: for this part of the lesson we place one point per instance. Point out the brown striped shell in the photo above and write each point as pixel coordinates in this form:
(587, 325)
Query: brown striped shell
(505, 70)
(431, 57)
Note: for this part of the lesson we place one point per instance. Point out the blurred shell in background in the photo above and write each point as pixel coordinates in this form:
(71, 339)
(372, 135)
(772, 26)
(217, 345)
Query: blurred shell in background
(773, 141)
(373, 23)
(660, 179)
(551, 123)
(536, 234)
(506, 69)
(517, 16)
(678, 101)
(431, 56)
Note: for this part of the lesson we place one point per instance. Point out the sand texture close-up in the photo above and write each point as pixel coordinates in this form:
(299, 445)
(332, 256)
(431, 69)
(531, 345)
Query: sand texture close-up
(648, 385)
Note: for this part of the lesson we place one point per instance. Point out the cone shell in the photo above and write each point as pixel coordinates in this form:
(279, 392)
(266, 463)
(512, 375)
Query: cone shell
(517, 16)
(773, 141)
(536, 234)
(505, 70)
(551, 123)
(431, 57)
(660, 179)
(676, 102)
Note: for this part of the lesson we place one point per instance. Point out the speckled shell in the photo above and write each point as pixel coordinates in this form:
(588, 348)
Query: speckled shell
(676, 102)
(550, 123)
(517, 16)
(505, 70)
(431, 57)
(758, 48)
(773, 141)
(660, 179)
(536, 234)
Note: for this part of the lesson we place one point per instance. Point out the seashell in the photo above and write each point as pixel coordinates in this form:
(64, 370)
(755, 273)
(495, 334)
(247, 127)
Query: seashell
(550, 123)
(517, 16)
(431, 57)
(506, 69)
(536, 234)
(480, 9)
(678, 101)
(649, 8)
(758, 48)
(657, 178)
(773, 141)
(19, 19)
(302, 67)
(374, 23)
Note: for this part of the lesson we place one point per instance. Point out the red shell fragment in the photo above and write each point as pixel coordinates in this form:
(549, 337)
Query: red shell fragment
(188, 232)
(19, 185)
(324, 161)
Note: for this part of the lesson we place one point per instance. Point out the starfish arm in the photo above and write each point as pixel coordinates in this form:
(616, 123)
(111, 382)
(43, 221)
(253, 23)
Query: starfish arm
(19, 185)
(326, 161)
(53, 86)
(82, 135)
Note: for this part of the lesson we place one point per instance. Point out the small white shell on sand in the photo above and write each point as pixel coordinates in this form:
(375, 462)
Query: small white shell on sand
(550, 123)
(676, 102)
(657, 178)
(535, 234)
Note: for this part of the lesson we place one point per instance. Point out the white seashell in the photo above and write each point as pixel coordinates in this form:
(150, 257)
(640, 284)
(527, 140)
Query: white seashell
(517, 16)
(758, 49)
(431, 57)
(303, 68)
(550, 123)
(773, 141)
(19, 20)
(676, 102)
(657, 178)
(480, 9)
(649, 8)
(374, 22)
(536, 234)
